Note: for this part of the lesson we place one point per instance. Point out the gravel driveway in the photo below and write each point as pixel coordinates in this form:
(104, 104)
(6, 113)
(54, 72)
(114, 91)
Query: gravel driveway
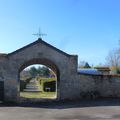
(83, 110)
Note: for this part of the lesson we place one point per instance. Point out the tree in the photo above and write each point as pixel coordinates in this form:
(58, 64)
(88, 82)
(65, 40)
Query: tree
(81, 64)
(42, 71)
(113, 60)
(87, 65)
(39, 70)
(84, 64)
(45, 71)
(33, 72)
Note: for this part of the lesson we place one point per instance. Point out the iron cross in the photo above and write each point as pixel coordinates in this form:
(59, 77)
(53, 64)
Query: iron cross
(40, 34)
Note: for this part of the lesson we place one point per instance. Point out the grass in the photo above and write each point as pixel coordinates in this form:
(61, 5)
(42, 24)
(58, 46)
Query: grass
(42, 94)
(50, 95)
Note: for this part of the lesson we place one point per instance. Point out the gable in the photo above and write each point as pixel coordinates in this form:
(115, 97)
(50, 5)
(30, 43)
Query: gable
(37, 42)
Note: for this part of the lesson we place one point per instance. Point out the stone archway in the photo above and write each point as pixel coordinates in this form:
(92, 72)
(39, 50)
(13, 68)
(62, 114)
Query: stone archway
(63, 64)
(47, 63)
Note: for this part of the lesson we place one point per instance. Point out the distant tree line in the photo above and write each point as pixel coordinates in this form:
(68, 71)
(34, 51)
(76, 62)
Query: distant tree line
(40, 71)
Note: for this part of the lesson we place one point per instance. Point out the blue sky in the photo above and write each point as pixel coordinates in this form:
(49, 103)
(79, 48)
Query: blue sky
(88, 28)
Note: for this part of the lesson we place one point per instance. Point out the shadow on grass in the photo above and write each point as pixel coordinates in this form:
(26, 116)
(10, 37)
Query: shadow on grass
(65, 104)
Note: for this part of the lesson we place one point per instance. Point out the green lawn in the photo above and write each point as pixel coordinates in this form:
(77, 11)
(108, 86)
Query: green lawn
(50, 95)
(42, 94)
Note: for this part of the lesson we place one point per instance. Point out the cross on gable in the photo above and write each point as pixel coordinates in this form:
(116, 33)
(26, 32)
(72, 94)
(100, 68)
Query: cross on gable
(40, 34)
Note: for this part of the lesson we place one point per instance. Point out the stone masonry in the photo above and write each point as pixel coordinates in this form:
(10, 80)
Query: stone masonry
(70, 85)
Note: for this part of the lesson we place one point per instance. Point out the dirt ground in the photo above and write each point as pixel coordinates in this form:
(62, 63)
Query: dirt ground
(108, 109)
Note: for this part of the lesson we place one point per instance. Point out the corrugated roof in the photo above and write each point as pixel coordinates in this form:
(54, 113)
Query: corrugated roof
(89, 71)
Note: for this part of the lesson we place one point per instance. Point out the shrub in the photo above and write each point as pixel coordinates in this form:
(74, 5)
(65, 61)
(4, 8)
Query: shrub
(51, 85)
(23, 83)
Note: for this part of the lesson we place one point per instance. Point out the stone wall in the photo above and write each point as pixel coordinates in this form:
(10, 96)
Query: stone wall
(94, 86)
(64, 65)
(70, 85)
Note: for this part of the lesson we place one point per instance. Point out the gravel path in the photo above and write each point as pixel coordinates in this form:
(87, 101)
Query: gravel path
(82, 110)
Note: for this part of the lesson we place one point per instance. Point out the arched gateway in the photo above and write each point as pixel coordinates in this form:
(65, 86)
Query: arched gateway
(38, 52)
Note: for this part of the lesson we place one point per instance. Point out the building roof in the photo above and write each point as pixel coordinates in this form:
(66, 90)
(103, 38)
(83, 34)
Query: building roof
(89, 71)
(36, 42)
(103, 68)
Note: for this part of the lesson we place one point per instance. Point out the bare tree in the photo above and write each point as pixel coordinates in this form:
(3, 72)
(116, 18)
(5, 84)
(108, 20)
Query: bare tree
(113, 60)
(81, 64)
